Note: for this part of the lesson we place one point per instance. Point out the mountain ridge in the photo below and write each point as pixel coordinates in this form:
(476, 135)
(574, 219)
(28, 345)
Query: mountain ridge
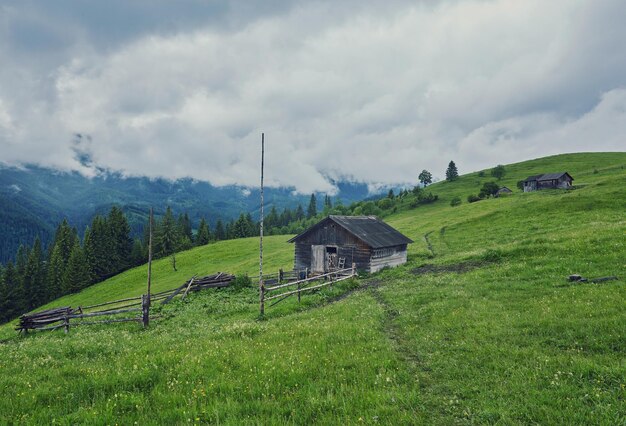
(36, 199)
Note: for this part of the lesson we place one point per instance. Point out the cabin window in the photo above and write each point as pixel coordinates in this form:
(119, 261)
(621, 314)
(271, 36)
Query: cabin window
(378, 253)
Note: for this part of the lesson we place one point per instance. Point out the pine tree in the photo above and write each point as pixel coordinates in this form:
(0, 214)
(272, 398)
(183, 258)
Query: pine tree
(168, 236)
(55, 273)
(24, 271)
(299, 212)
(251, 226)
(16, 300)
(76, 275)
(34, 277)
(452, 173)
(220, 232)
(90, 255)
(146, 238)
(203, 236)
(21, 259)
(65, 239)
(100, 247)
(391, 195)
(184, 226)
(239, 228)
(137, 254)
(4, 297)
(230, 230)
(271, 220)
(121, 241)
(312, 209)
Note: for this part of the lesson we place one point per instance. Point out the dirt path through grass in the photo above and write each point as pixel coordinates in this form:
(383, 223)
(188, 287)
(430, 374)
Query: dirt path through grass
(429, 244)
(395, 335)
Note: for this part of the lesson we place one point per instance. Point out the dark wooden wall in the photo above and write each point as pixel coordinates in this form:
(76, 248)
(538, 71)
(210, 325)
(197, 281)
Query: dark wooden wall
(329, 234)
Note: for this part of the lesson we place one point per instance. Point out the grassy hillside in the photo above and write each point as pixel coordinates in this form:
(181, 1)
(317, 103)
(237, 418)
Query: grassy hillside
(480, 327)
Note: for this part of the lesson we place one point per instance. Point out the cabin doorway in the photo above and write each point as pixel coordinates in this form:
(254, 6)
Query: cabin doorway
(323, 258)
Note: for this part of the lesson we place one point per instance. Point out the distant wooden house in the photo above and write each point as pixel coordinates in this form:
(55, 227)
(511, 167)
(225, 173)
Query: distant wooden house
(561, 180)
(503, 191)
(339, 241)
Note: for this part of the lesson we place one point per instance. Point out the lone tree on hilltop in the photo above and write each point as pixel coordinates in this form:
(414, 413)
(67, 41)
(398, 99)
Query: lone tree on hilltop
(425, 177)
(498, 172)
(452, 173)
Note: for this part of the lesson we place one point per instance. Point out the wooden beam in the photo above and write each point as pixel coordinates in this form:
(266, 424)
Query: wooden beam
(188, 287)
(99, 314)
(307, 288)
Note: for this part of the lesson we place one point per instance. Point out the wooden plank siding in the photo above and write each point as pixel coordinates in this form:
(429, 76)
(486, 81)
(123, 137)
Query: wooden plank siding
(397, 256)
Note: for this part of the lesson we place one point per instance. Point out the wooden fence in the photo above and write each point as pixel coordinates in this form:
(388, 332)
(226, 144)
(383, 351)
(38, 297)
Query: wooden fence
(112, 312)
(65, 317)
(302, 285)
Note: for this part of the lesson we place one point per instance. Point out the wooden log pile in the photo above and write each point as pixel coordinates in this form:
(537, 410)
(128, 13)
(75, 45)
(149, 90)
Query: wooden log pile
(219, 280)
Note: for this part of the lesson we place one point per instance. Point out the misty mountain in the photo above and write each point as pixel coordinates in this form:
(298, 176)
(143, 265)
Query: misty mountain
(34, 200)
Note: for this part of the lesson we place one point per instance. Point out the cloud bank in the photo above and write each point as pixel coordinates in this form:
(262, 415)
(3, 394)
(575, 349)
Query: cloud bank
(354, 91)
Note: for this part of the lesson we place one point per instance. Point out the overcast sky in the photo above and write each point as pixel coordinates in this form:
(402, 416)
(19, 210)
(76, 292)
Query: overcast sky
(359, 90)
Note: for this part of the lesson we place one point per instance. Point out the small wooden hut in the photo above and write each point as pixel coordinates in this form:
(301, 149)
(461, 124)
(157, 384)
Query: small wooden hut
(562, 180)
(339, 241)
(503, 191)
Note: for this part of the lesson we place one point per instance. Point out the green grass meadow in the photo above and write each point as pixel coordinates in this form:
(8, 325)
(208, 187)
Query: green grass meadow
(482, 329)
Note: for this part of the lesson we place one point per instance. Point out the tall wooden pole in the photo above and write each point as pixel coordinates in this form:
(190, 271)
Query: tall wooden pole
(150, 255)
(261, 285)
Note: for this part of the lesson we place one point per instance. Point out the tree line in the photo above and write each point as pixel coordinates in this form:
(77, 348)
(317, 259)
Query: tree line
(67, 266)
(70, 264)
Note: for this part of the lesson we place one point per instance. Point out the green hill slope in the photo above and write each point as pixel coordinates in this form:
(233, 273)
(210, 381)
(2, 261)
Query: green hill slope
(479, 328)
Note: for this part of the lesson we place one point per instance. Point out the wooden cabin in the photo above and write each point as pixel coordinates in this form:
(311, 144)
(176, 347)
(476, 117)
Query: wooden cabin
(562, 180)
(340, 241)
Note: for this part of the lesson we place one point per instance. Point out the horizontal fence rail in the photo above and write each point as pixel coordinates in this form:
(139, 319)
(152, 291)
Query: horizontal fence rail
(303, 285)
(289, 293)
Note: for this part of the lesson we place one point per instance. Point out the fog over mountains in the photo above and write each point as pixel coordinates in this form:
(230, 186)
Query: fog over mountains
(35, 199)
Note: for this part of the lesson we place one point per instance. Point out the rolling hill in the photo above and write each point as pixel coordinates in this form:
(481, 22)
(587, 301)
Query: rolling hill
(480, 326)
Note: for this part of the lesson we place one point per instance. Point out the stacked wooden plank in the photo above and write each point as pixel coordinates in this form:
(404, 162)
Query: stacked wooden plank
(45, 320)
(219, 280)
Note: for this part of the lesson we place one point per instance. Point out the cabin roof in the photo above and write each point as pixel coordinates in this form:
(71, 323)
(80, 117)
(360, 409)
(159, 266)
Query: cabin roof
(504, 189)
(369, 229)
(547, 176)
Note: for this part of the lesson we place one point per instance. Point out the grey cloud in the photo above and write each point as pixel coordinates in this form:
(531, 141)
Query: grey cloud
(352, 90)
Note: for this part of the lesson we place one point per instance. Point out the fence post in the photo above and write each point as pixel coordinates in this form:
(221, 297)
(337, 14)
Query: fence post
(145, 309)
(262, 297)
(298, 289)
(281, 275)
(353, 269)
(66, 323)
